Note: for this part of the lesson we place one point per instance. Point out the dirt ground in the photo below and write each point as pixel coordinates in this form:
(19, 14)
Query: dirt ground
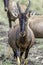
(35, 56)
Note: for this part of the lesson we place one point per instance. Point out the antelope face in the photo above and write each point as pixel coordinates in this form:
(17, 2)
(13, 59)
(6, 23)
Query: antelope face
(22, 21)
(23, 17)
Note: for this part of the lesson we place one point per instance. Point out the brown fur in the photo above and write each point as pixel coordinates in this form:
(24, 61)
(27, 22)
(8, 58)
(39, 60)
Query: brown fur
(36, 24)
(21, 38)
(12, 16)
(13, 33)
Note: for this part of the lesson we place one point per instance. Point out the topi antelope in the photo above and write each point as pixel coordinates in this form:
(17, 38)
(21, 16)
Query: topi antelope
(21, 38)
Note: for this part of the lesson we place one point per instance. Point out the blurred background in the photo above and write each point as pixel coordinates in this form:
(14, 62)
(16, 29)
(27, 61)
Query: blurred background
(36, 56)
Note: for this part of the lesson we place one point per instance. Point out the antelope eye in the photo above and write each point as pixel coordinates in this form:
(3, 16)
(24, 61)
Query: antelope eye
(26, 18)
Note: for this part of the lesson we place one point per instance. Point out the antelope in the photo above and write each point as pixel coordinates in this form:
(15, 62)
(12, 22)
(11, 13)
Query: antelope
(36, 24)
(21, 37)
(12, 11)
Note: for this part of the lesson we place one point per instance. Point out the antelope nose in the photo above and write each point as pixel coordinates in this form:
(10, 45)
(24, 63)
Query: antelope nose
(22, 34)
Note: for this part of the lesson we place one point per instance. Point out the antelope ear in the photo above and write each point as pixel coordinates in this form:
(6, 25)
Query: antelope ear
(28, 14)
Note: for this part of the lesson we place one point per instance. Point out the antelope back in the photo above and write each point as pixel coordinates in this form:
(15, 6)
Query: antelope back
(36, 24)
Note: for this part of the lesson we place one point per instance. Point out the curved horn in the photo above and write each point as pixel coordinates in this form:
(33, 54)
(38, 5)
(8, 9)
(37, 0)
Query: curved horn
(19, 7)
(27, 9)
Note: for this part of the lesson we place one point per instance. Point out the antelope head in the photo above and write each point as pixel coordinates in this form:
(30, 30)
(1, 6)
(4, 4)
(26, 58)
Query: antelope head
(23, 17)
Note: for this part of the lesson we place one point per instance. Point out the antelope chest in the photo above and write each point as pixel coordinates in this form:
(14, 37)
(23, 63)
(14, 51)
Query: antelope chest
(23, 44)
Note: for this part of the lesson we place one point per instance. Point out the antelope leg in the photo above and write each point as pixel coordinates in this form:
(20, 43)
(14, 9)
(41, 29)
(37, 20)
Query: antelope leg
(26, 61)
(26, 55)
(18, 56)
(18, 60)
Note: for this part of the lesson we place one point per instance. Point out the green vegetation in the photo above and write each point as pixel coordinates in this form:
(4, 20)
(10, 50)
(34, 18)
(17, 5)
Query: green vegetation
(37, 5)
(3, 16)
